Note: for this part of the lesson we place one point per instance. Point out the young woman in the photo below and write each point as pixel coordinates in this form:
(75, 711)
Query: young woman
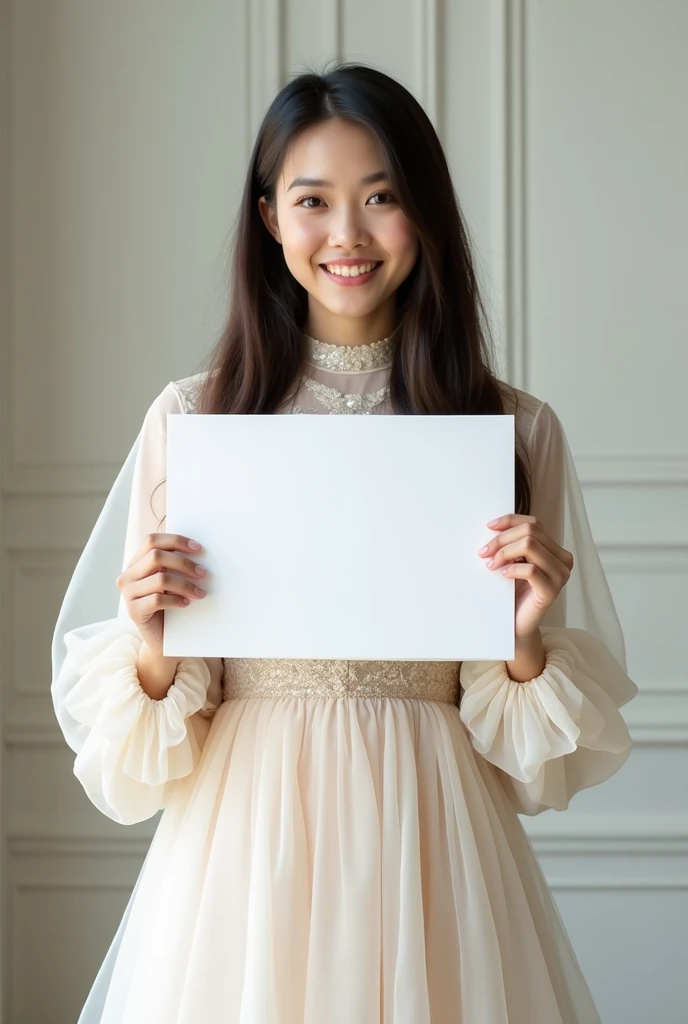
(340, 842)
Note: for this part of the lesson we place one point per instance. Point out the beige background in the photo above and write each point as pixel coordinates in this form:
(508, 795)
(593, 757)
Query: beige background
(125, 128)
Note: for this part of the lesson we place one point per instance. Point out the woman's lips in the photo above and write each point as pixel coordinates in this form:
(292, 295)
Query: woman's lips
(350, 282)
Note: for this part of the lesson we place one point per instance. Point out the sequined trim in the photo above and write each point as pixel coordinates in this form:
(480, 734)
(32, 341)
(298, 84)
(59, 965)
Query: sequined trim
(275, 677)
(351, 358)
(188, 390)
(299, 410)
(338, 402)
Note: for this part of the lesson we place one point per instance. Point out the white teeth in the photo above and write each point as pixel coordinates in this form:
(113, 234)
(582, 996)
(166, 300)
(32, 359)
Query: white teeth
(340, 271)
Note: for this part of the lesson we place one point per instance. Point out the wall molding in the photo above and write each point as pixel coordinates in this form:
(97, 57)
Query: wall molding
(58, 479)
(428, 60)
(22, 735)
(265, 67)
(510, 204)
(332, 27)
(86, 846)
(52, 884)
(601, 833)
(659, 717)
(659, 557)
(612, 470)
(607, 884)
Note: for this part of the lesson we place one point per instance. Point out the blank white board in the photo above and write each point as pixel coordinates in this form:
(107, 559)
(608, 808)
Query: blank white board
(345, 537)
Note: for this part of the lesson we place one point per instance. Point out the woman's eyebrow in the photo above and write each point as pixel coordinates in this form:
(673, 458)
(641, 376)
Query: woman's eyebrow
(370, 179)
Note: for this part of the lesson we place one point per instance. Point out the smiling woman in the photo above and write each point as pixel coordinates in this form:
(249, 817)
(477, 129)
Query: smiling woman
(340, 840)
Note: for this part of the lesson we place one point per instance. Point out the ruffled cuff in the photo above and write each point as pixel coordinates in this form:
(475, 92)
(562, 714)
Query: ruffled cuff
(151, 735)
(130, 747)
(570, 709)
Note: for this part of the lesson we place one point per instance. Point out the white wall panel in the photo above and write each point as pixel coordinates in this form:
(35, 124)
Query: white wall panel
(607, 240)
(124, 169)
(64, 907)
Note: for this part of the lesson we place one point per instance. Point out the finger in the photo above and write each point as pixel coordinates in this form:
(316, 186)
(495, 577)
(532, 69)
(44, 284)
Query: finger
(529, 549)
(145, 607)
(166, 542)
(544, 588)
(161, 560)
(531, 528)
(506, 522)
(535, 555)
(163, 583)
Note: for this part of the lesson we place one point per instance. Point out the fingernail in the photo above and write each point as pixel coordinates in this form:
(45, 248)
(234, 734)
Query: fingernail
(200, 571)
(194, 545)
(489, 563)
(493, 522)
(483, 550)
(201, 593)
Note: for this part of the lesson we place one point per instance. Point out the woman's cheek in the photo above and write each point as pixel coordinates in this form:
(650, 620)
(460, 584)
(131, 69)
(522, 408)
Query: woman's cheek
(303, 239)
(401, 237)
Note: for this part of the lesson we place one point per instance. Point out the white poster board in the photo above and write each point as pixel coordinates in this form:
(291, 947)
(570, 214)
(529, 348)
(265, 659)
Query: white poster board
(346, 537)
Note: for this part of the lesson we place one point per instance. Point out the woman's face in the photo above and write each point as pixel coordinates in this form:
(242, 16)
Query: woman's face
(344, 236)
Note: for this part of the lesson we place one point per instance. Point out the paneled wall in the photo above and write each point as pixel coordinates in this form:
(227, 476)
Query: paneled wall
(125, 131)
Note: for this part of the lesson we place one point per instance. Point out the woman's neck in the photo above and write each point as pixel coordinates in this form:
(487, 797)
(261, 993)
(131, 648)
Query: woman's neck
(340, 330)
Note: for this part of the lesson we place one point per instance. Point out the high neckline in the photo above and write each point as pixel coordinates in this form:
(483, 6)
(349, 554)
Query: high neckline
(376, 355)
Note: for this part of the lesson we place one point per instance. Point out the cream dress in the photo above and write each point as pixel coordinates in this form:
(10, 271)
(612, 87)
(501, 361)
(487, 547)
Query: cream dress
(340, 841)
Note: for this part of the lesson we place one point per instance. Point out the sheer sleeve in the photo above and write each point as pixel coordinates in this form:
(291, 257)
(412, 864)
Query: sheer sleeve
(130, 749)
(559, 733)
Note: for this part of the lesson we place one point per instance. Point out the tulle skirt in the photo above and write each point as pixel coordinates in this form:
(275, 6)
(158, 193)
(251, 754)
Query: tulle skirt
(340, 861)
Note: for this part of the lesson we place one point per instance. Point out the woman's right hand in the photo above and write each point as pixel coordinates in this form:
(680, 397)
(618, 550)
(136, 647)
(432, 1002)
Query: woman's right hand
(160, 575)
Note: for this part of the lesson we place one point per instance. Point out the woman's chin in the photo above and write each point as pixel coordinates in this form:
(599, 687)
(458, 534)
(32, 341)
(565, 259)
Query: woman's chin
(355, 310)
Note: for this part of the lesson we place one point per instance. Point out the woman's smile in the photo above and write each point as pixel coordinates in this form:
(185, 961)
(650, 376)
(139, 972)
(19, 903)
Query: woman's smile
(351, 273)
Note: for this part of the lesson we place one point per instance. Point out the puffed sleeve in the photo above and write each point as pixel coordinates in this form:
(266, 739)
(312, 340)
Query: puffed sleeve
(559, 733)
(130, 749)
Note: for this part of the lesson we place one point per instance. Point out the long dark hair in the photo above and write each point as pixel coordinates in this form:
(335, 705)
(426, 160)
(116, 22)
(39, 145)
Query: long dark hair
(442, 362)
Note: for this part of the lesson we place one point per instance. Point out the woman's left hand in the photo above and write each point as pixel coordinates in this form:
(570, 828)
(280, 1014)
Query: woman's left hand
(541, 568)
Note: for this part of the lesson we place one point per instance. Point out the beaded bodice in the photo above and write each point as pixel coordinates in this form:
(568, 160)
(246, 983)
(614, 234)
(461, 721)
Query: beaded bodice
(344, 379)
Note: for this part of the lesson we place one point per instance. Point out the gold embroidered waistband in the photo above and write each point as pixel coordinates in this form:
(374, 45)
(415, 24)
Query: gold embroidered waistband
(278, 677)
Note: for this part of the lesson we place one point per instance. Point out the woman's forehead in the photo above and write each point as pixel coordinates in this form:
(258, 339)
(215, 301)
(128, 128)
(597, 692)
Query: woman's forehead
(333, 153)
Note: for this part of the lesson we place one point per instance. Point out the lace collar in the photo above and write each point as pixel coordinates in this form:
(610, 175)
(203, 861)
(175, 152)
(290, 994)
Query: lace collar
(376, 355)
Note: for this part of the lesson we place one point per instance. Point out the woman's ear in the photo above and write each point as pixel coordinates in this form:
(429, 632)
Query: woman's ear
(269, 215)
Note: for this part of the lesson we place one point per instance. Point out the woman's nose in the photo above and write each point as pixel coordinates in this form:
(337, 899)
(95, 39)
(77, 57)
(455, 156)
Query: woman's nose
(347, 230)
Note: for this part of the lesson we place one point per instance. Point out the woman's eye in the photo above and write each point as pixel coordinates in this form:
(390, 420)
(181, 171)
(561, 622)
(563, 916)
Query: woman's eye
(307, 199)
(385, 195)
